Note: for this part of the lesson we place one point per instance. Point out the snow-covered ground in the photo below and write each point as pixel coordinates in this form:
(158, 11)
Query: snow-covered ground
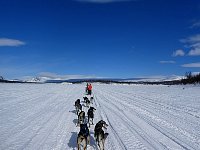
(153, 117)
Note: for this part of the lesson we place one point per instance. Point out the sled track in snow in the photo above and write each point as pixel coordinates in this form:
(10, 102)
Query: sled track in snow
(145, 113)
(129, 129)
(166, 133)
(140, 117)
(104, 117)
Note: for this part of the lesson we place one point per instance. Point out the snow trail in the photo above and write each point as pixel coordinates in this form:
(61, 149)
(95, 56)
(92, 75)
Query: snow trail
(140, 117)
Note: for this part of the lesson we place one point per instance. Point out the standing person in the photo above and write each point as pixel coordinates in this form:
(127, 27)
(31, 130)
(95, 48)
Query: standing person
(86, 89)
(90, 89)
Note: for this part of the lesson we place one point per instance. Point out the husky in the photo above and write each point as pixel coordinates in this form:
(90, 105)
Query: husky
(83, 137)
(78, 101)
(91, 99)
(78, 106)
(87, 103)
(90, 114)
(99, 134)
(85, 98)
(81, 118)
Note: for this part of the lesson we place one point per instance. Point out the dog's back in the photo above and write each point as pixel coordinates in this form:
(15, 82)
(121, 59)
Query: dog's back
(99, 134)
(100, 139)
(82, 114)
(91, 112)
(85, 98)
(78, 107)
(83, 136)
(77, 102)
(87, 102)
(91, 99)
(81, 117)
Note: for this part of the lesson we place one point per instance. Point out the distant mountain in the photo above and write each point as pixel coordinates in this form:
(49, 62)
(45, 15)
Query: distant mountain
(43, 79)
(38, 80)
(155, 79)
(2, 80)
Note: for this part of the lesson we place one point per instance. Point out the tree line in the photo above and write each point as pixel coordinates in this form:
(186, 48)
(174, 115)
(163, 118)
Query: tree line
(191, 79)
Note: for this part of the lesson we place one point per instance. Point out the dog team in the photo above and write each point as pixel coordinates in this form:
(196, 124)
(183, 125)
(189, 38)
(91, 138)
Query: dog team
(84, 134)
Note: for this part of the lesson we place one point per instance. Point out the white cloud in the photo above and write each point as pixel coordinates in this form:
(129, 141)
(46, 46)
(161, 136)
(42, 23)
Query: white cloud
(196, 24)
(195, 73)
(103, 1)
(167, 62)
(10, 42)
(194, 52)
(192, 65)
(193, 42)
(178, 52)
(191, 39)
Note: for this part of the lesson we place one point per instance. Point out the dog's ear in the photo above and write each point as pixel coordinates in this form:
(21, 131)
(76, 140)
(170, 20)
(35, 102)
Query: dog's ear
(106, 124)
(101, 121)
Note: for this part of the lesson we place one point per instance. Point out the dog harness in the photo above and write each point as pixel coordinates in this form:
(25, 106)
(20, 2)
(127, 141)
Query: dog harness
(84, 131)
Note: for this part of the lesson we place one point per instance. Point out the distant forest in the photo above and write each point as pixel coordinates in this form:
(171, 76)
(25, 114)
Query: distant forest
(191, 79)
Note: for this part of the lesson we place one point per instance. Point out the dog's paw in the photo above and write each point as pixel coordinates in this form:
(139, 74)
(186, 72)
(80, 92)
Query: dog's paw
(106, 135)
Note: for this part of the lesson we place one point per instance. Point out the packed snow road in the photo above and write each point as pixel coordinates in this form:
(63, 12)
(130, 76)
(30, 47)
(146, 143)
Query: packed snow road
(140, 117)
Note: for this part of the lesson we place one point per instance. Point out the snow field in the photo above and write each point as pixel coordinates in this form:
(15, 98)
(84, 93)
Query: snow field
(140, 117)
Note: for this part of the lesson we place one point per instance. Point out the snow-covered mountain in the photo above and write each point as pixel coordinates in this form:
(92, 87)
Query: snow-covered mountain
(43, 79)
(38, 79)
(155, 79)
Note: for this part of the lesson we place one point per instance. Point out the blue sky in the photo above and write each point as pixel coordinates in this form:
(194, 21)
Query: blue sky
(99, 38)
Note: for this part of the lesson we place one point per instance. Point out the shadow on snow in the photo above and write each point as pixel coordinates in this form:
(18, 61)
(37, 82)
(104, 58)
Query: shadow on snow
(73, 141)
(73, 111)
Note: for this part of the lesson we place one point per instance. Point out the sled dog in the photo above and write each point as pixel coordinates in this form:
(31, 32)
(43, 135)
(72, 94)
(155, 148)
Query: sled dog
(87, 102)
(99, 134)
(90, 114)
(81, 118)
(83, 137)
(85, 98)
(78, 106)
(91, 99)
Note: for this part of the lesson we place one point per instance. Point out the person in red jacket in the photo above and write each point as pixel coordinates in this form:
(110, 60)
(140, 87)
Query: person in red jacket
(89, 89)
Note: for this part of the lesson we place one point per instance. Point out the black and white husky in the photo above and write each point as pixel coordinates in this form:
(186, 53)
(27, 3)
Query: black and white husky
(78, 106)
(90, 114)
(99, 134)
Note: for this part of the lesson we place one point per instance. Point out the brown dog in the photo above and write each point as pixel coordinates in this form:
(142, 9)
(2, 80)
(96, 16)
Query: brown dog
(83, 136)
(81, 118)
